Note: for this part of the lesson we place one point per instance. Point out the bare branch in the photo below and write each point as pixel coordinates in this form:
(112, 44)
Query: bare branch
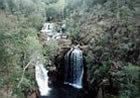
(24, 72)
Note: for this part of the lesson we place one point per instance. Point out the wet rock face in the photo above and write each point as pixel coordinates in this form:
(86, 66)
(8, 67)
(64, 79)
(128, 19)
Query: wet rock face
(65, 45)
(52, 75)
(59, 63)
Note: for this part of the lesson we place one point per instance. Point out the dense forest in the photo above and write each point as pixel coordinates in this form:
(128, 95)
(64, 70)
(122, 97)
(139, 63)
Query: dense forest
(108, 31)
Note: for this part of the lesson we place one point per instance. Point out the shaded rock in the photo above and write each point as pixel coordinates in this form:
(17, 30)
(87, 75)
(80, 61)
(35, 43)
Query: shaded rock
(65, 45)
(34, 94)
(84, 48)
(100, 93)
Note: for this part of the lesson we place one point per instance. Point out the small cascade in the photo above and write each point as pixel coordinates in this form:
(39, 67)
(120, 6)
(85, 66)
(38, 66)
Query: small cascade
(42, 79)
(74, 68)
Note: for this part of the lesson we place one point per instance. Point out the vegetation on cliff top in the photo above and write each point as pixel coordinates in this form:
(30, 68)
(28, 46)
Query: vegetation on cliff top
(109, 27)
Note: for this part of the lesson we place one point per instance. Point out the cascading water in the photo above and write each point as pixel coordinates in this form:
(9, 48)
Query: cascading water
(74, 68)
(53, 92)
(42, 79)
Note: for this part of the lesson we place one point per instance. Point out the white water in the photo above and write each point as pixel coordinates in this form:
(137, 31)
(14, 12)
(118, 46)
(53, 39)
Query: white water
(42, 79)
(74, 71)
(74, 68)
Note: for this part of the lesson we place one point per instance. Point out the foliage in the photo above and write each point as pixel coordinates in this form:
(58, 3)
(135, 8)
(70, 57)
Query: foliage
(50, 51)
(18, 45)
(129, 83)
(109, 28)
(20, 22)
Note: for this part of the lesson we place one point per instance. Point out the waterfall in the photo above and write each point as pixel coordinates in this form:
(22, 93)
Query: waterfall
(74, 68)
(41, 75)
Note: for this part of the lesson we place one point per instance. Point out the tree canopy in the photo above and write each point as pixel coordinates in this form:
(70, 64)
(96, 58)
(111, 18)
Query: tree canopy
(110, 29)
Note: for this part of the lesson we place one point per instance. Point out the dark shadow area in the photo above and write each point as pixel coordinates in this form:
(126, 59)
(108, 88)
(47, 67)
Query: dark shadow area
(63, 91)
